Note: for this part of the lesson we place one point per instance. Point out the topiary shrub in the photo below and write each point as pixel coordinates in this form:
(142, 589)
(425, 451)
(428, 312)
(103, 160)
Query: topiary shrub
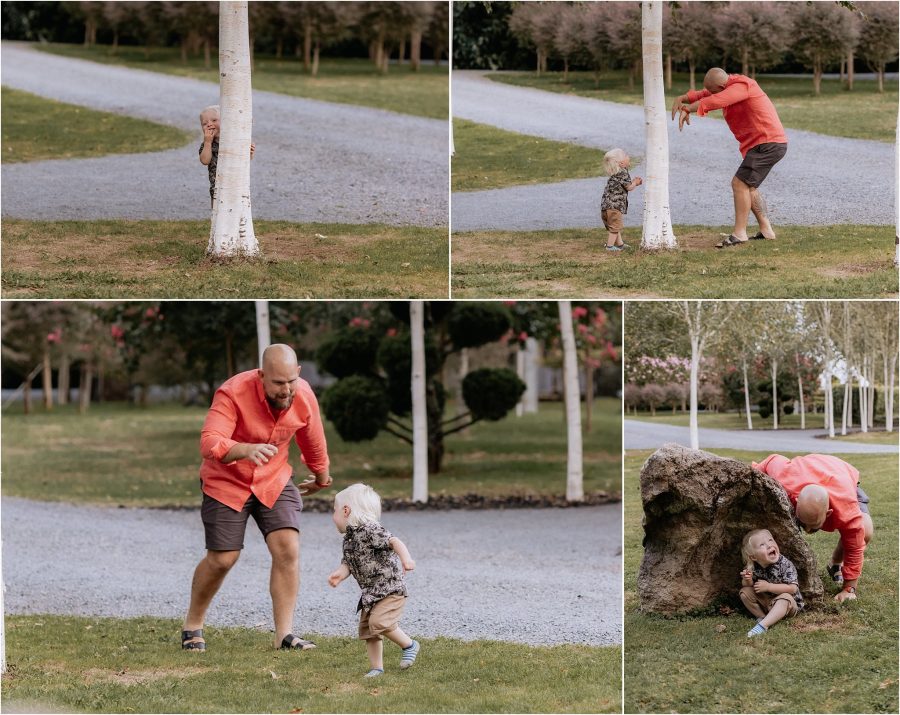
(491, 392)
(474, 324)
(349, 351)
(357, 406)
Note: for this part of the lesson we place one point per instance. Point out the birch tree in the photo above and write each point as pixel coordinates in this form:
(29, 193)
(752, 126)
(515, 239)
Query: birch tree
(419, 414)
(886, 337)
(231, 233)
(574, 463)
(263, 331)
(821, 313)
(657, 231)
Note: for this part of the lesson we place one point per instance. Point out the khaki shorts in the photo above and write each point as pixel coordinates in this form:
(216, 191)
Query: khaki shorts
(225, 527)
(612, 220)
(766, 600)
(383, 617)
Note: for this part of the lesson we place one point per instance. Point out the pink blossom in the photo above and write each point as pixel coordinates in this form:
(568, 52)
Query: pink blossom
(150, 312)
(582, 328)
(579, 311)
(523, 336)
(55, 336)
(509, 302)
(391, 332)
(116, 331)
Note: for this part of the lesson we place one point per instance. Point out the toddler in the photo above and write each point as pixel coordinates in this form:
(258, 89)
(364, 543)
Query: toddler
(374, 558)
(209, 149)
(770, 587)
(614, 204)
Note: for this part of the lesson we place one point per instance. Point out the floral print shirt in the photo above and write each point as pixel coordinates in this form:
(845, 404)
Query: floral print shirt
(373, 563)
(212, 166)
(782, 571)
(615, 195)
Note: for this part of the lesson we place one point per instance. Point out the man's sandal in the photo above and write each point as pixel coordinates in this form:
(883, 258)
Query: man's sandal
(292, 642)
(730, 242)
(759, 237)
(836, 574)
(188, 642)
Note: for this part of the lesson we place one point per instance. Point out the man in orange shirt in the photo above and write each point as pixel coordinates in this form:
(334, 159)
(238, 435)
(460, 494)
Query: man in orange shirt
(825, 493)
(245, 472)
(752, 118)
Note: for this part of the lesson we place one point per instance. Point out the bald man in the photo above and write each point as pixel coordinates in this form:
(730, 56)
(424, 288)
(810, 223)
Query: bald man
(752, 118)
(245, 472)
(825, 494)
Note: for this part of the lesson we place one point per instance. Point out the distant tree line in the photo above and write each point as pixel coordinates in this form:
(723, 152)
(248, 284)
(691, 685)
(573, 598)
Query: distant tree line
(739, 36)
(406, 31)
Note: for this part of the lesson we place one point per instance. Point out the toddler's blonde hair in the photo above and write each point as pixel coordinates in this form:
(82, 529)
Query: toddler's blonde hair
(364, 503)
(210, 108)
(745, 546)
(612, 159)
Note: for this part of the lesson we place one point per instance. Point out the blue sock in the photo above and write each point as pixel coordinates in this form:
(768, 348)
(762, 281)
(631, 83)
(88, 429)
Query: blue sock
(757, 630)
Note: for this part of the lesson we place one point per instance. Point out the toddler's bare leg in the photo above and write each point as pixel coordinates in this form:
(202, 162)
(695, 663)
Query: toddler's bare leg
(398, 637)
(779, 611)
(613, 239)
(375, 650)
(761, 211)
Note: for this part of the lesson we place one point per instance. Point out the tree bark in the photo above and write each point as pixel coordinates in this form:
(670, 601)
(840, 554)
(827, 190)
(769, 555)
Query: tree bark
(850, 73)
(747, 394)
(774, 394)
(532, 372)
(745, 62)
(695, 370)
(231, 232)
(574, 463)
(692, 66)
(657, 224)
(263, 331)
(307, 46)
(415, 50)
(84, 386)
(802, 408)
(520, 372)
(889, 406)
(47, 381)
(419, 411)
(62, 380)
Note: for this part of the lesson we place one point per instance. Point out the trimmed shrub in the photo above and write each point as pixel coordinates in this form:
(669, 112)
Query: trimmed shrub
(358, 407)
(492, 392)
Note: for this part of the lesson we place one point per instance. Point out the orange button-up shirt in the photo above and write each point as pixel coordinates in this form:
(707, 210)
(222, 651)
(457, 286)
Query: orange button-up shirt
(748, 111)
(840, 480)
(240, 413)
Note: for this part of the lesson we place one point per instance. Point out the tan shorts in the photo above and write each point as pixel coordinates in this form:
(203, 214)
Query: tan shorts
(382, 618)
(766, 600)
(613, 220)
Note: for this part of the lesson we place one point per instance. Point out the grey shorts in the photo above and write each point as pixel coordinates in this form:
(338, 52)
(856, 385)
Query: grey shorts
(759, 162)
(225, 527)
(863, 500)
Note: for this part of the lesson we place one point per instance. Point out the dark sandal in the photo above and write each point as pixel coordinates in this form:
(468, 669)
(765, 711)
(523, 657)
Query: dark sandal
(287, 643)
(729, 242)
(759, 237)
(188, 644)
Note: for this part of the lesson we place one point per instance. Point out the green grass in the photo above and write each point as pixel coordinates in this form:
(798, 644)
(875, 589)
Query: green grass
(59, 663)
(877, 437)
(35, 128)
(72, 259)
(490, 158)
(805, 262)
(347, 81)
(76, 463)
(860, 114)
(836, 659)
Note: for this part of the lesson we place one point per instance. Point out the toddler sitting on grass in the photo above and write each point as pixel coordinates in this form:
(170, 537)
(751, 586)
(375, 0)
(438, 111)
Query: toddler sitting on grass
(770, 587)
(614, 204)
(377, 560)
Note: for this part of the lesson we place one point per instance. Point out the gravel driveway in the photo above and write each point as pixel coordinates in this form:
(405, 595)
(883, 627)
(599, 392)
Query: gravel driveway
(315, 161)
(822, 180)
(652, 435)
(533, 576)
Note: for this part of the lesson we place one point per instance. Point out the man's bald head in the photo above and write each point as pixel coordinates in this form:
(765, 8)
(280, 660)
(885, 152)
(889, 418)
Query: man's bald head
(812, 507)
(279, 373)
(715, 80)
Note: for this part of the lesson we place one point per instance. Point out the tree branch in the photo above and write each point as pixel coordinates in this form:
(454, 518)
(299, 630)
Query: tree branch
(394, 421)
(398, 434)
(461, 427)
(454, 419)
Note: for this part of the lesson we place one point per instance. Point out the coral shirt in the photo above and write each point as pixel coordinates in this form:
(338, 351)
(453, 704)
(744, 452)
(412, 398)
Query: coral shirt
(748, 111)
(840, 480)
(240, 413)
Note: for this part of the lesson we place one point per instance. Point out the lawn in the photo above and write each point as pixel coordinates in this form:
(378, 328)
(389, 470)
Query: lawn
(836, 659)
(860, 114)
(35, 128)
(490, 158)
(76, 462)
(347, 81)
(72, 259)
(69, 664)
(804, 262)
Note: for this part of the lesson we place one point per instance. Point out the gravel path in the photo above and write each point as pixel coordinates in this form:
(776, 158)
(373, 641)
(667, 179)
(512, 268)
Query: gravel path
(822, 180)
(315, 161)
(652, 435)
(532, 576)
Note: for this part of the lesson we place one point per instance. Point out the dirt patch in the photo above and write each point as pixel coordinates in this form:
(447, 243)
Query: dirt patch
(138, 677)
(851, 270)
(807, 623)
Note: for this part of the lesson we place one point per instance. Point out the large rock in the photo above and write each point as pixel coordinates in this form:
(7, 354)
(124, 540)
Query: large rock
(697, 508)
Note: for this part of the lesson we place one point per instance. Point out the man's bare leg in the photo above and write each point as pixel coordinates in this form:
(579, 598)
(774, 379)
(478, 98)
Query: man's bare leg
(284, 582)
(741, 193)
(761, 211)
(208, 578)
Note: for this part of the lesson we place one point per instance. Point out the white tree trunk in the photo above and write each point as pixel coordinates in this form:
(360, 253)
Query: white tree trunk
(47, 381)
(461, 374)
(747, 395)
(263, 333)
(657, 232)
(863, 399)
(870, 393)
(802, 408)
(532, 375)
(232, 233)
(896, 198)
(419, 415)
(774, 394)
(847, 393)
(520, 371)
(575, 469)
(889, 398)
(695, 373)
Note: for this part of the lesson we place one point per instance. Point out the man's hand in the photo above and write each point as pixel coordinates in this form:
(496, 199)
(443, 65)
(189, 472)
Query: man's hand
(259, 454)
(314, 483)
(679, 103)
(845, 596)
(761, 586)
